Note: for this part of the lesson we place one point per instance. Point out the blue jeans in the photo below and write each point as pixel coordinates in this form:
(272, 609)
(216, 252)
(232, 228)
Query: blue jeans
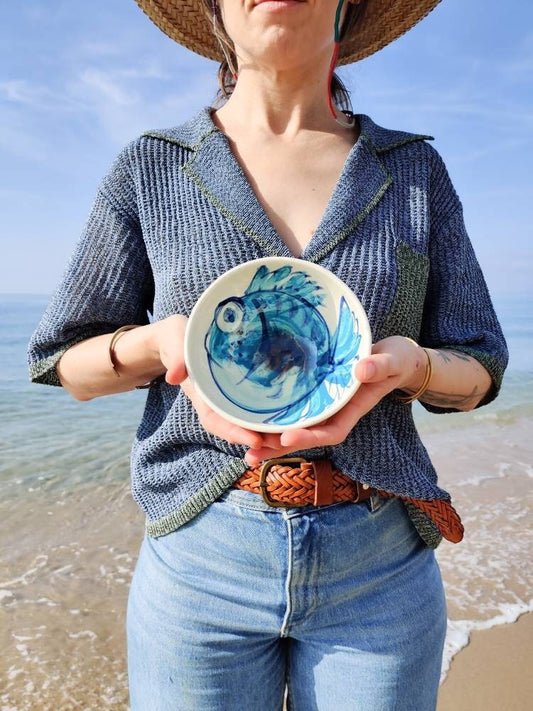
(341, 606)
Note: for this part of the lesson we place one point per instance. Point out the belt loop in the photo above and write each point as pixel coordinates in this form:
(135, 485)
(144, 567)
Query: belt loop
(323, 482)
(374, 502)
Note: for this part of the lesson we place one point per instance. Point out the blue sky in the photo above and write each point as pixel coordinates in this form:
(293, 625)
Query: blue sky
(79, 79)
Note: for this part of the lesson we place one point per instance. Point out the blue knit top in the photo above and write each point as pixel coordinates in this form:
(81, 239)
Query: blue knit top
(176, 211)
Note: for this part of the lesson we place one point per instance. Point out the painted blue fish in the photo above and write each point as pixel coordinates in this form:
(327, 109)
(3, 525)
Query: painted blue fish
(270, 351)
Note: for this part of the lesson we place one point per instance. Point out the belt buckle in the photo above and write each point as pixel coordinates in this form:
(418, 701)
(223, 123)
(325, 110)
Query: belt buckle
(265, 468)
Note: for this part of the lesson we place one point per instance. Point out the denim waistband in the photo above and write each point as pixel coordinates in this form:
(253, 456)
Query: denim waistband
(249, 500)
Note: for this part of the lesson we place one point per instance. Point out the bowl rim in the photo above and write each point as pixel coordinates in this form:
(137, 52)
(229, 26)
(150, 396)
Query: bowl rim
(279, 261)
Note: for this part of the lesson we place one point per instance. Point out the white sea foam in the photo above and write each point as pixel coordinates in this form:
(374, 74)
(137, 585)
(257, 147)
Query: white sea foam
(62, 569)
(503, 470)
(83, 633)
(24, 638)
(39, 562)
(487, 583)
(459, 631)
(13, 672)
(44, 601)
(528, 469)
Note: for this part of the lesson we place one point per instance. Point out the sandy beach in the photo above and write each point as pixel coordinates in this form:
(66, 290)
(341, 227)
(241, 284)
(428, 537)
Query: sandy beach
(69, 553)
(494, 672)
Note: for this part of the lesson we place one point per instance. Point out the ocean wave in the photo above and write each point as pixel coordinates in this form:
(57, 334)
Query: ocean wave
(458, 631)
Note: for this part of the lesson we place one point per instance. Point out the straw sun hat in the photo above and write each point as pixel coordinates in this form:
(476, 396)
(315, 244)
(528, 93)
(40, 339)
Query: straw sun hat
(382, 22)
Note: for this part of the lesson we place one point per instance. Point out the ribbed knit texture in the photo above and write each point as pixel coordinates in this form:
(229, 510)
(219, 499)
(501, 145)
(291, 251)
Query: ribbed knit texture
(176, 211)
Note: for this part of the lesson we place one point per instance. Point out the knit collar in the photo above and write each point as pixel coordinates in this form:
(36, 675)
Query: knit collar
(191, 133)
(361, 185)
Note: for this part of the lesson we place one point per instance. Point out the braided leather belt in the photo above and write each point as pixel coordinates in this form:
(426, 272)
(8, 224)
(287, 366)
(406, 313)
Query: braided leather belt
(293, 481)
(302, 484)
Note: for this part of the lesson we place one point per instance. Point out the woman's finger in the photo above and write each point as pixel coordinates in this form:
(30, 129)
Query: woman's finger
(325, 434)
(217, 425)
(336, 428)
(176, 372)
(377, 367)
(254, 457)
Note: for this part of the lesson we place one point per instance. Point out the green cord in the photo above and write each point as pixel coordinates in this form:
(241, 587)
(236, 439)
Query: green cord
(338, 21)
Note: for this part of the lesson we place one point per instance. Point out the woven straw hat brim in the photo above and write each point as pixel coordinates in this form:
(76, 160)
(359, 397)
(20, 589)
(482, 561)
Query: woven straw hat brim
(384, 21)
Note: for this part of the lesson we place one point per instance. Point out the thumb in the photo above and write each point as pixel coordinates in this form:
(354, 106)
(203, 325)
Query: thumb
(376, 368)
(176, 372)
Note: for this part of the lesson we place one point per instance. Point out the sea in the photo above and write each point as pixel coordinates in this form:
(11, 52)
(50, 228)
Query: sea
(70, 531)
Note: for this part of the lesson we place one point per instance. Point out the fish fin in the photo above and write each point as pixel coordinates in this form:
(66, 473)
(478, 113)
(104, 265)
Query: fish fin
(266, 280)
(306, 407)
(346, 339)
(341, 377)
(303, 287)
(298, 284)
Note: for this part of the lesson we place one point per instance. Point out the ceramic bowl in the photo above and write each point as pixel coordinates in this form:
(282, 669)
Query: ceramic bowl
(272, 344)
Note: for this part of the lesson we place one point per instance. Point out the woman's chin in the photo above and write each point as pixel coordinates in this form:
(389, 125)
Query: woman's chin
(284, 53)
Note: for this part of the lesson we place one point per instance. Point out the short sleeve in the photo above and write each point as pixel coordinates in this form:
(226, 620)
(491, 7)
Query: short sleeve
(107, 283)
(458, 311)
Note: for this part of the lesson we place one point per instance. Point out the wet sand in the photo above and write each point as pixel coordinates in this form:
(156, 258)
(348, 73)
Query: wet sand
(494, 672)
(68, 556)
(63, 603)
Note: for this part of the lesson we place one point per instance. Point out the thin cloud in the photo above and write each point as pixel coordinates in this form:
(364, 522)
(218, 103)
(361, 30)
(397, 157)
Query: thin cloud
(490, 149)
(102, 85)
(94, 49)
(148, 72)
(35, 97)
(124, 105)
(520, 67)
(122, 100)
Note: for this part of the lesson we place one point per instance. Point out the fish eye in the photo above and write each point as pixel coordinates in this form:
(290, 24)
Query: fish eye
(229, 316)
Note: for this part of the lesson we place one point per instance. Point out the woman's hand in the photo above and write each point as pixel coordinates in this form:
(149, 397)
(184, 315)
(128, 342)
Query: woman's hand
(167, 345)
(458, 382)
(168, 341)
(395, 362)
(216, 425)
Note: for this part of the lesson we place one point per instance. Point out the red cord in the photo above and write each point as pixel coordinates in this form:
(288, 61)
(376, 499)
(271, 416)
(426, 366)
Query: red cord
(330, 76)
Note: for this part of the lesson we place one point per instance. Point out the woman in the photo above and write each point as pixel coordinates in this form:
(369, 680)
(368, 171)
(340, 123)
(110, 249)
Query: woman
(234, 601)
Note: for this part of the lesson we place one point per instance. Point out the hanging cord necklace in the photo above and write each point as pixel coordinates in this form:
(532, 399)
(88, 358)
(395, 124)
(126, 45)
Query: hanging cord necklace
(350, 123)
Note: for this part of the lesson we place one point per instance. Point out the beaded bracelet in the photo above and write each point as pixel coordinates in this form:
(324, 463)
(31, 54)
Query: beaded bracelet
(113, 358)
(408, 399)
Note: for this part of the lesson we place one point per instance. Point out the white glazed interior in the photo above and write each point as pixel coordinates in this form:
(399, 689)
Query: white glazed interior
(234, 283)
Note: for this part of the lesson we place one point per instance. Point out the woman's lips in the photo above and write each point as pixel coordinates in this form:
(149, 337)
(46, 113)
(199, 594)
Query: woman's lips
(277, 4)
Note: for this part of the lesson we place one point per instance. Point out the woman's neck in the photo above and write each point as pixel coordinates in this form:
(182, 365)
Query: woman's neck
(279, 103)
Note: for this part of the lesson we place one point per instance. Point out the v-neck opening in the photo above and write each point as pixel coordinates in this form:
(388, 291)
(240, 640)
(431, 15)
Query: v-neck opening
(333, 199)
(315, 236)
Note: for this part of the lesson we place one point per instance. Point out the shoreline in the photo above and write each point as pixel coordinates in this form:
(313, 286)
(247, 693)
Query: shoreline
(492, 672)
(64, 582)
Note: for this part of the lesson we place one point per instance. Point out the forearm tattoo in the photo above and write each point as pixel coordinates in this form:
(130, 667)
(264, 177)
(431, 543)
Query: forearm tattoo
(433, 397)
(447, 356)
(453, 400)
